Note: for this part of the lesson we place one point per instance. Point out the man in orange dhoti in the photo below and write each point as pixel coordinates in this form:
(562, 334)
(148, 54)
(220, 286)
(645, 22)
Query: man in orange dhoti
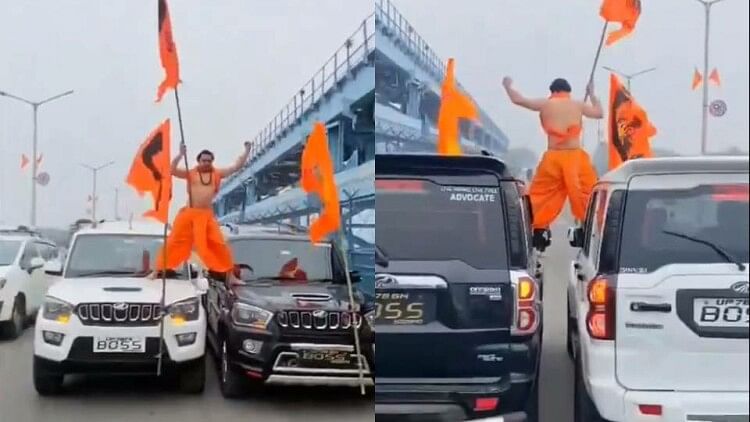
(195, 226)
(566, 170)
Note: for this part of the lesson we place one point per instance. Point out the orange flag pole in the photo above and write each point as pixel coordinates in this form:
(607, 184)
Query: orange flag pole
(596, 58)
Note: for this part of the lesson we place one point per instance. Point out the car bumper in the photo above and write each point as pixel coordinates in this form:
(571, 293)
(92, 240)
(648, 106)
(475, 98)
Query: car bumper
(269, 362)
(449, 399)
(6, 304)
(76, 352)
(692, 406)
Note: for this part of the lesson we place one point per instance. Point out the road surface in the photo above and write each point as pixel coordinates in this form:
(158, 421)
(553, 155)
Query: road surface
(142, 399)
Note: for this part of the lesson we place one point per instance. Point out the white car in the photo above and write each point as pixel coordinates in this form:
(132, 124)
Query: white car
(23, 282)
(658, 294)
(104, 315)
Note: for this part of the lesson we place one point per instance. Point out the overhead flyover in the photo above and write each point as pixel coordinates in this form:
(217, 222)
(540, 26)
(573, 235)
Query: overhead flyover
(407, 92)
(340, 94)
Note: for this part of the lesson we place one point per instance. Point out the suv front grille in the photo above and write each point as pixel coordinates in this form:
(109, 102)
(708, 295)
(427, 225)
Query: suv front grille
(119, 313)
(311, 320)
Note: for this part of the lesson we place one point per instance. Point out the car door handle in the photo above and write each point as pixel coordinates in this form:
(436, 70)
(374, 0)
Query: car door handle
(650, 307)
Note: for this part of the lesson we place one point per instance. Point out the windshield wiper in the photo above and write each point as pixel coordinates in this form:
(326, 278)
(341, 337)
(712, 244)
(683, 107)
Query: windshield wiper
(110, 272)
(381, 258)
(721, 251)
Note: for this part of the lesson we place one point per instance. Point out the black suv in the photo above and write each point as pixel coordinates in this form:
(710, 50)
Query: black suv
(458, 315)
(289, 322)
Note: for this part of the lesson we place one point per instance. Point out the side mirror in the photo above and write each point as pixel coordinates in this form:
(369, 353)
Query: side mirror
(36, 263)
(575, 237)
(53, 268)
(355, 276)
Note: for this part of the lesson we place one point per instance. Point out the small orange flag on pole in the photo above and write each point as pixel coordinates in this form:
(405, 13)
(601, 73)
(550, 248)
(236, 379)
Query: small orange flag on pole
(454, 106)
(630, 130)
(317, 176)
(24, 161)
(167, 52)
(714, 77)
(697, 79)
(151, 171)
(625, 12)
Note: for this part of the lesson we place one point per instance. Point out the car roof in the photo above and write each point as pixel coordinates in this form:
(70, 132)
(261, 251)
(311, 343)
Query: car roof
(133, 227)
(395, 163)
(677, 165)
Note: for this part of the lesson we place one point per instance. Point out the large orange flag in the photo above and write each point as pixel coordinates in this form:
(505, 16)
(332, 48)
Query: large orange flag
(317, 176)
(629, 128)
(453, 106)
(152, 171)
(167, 52)
(625, 12)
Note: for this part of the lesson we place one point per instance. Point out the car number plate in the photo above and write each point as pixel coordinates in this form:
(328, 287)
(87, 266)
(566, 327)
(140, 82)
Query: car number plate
(402, 307)
(119, 345)
(721, 312)
(326, 358)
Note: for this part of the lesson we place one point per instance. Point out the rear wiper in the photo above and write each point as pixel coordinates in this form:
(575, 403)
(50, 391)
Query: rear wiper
(111, 272)
(721, 251)
(381, 258)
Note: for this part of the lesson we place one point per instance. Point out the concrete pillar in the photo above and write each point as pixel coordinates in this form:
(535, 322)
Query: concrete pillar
(414, 100)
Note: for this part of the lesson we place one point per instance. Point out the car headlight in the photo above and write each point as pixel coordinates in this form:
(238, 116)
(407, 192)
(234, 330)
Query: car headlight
(57, 310)
(184, 310)
(2, 283)
(251, 316)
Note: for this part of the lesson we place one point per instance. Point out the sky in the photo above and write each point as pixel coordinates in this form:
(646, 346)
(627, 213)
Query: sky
(240, 62)
(535, 41)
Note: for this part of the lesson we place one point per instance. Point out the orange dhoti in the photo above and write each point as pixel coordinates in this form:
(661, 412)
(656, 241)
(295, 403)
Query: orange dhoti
(196, 228)
(562, 174)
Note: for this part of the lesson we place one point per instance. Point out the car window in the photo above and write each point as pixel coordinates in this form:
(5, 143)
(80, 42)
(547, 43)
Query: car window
(600, 204)
(712, 213)
(30, 251)
(516, 229)
(589, 224)
(8, 251)
(280, 258)
(611, 234)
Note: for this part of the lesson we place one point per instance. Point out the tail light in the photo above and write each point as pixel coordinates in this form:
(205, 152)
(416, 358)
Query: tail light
(600, 320)
(527, 314)
(486, 404)
(650, 409)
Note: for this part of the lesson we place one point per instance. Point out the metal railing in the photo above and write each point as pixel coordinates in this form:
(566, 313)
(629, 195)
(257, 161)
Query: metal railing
(353, 52)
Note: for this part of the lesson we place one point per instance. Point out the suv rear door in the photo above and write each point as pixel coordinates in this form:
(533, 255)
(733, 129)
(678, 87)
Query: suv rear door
(682, 309)
(444, 298)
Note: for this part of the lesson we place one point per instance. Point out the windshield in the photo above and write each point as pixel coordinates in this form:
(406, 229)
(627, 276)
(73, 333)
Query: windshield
(8, 251)
(100, 255)
(420, 220)
(282, 259)
(717, 214)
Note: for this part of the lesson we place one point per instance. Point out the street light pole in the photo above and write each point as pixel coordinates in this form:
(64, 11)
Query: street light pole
(94, 171)
(631, 76)
(704, 124)
(35, 107)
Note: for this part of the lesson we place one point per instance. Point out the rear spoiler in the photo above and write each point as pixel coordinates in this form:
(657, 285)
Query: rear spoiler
(423, 163)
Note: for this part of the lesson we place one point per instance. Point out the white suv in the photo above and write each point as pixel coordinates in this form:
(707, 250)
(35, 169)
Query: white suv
(22, 279)
(658, 294)
(104, 315)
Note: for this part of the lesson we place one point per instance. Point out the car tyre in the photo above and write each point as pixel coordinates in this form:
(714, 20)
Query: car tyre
(232, 383)
(17, 322)
(532, 403)
(192, 377)
(46, 383)
(571, 331)
(584, 409)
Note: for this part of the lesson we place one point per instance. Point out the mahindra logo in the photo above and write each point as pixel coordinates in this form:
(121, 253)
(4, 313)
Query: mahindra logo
(385, 280)
(740, 287)
(120, 306)
(319, 314)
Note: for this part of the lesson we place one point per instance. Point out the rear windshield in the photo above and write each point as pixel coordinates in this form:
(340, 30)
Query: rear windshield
(714, 213)
(421, 220)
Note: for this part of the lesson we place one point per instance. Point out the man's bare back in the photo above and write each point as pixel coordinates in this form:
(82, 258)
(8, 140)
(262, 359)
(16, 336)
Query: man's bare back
(561, 117)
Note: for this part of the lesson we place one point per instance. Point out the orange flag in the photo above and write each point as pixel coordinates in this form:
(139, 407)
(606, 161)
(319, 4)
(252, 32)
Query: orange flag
(24, 161)
(152, 171)
(317, 177)
(697, 79)
(167, 52)
(453, 106)
(714, 77)
(625, 12)
(630, 130)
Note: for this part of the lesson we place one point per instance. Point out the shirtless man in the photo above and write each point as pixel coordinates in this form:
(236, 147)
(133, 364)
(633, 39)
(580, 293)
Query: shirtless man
(566, 170)
(196, 225)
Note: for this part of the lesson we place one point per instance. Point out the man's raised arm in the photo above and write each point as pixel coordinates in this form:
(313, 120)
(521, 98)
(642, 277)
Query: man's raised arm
(176, 170)
(519, 100)
(237, 164)
(594, 109)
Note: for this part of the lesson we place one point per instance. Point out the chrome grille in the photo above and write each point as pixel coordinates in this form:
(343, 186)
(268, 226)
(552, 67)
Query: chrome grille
(119, 313)
(310, 320)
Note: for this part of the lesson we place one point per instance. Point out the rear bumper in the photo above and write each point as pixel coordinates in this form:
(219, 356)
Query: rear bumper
(450, 400)
(693, 406)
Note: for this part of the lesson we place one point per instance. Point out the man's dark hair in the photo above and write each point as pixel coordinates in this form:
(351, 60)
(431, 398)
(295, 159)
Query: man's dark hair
(205, 151)
(559, 85)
